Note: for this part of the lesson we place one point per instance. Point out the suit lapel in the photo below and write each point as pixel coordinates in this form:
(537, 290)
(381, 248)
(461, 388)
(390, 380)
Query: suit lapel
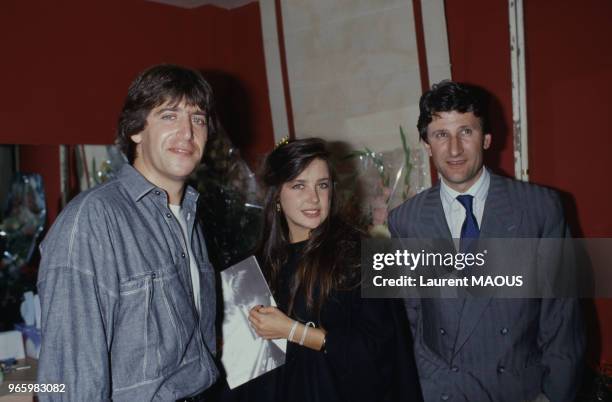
(500, 219)
(432, 219)
(436, 234)
(470, 316)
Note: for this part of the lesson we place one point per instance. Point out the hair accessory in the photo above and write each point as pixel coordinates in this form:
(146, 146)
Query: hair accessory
(292, 332)
(282, 142)
(308, 325)
(278, 207)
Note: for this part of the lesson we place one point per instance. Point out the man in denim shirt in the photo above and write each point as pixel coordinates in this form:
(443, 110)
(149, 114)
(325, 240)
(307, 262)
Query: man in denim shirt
(127, 290)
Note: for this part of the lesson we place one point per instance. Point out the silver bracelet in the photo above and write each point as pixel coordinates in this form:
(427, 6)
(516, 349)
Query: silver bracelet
(307, 325)
(292, 332)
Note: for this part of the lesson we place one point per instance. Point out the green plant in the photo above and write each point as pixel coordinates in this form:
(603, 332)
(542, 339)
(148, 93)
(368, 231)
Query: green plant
(407, 162)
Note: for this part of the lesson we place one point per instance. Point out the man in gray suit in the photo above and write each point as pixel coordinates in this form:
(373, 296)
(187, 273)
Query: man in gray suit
(485, 349)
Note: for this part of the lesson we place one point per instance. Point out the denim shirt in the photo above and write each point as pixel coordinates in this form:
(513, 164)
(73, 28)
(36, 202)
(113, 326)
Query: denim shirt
(118, 316)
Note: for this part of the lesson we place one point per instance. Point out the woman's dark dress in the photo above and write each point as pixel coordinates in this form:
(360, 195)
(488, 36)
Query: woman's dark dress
(368, 353)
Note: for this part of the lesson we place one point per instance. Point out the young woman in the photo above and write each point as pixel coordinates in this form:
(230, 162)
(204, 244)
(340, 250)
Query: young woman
(340, 347)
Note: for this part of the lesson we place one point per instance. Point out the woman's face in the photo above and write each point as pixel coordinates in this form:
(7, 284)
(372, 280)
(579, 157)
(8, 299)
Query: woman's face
(305, 200)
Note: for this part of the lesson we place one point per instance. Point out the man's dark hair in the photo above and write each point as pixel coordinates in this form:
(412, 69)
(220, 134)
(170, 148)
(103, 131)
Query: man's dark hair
(154, 87)
(449, 96)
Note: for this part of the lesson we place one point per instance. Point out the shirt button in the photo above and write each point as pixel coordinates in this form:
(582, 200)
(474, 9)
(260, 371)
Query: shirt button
(157, 192)
(504, 331)
(455, 369)
(444, 397)
(153, 275)
(168, 215)
(183, 255)
(442, 331)
(501, 369)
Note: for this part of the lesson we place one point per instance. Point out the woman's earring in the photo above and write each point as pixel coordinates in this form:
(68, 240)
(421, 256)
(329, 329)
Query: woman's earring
(278, 207)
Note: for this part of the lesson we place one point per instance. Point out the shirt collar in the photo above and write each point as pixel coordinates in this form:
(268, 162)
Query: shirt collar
(190, 198)
(138, 186)
(479, 189)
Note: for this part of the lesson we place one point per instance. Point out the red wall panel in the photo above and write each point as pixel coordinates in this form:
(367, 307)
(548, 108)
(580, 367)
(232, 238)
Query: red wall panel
(250, 68)
(569, 67)
(245, 107)
(67, 66)
(70, 63)
(569, 82)
(479, 45)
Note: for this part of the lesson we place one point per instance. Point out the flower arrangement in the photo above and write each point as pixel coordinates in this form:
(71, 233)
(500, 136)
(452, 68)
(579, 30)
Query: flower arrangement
(379, 181)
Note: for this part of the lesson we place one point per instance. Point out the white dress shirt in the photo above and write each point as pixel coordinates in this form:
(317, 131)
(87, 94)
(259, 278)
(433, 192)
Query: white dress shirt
(455, 212)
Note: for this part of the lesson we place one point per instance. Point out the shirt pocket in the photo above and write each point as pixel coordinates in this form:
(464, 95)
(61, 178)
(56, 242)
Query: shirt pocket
(154, 325)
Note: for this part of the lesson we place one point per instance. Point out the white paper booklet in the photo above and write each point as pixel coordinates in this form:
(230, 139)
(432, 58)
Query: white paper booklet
(245, 355)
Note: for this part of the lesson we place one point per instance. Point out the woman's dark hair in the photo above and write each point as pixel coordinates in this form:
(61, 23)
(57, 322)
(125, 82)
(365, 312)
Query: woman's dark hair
(450, 96)
(154, 87)
(331, 254)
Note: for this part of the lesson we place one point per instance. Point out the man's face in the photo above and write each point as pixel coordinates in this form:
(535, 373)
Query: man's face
(456, 142)
(171, 145)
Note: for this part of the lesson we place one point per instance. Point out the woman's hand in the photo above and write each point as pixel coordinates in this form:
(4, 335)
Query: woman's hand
(270, 323)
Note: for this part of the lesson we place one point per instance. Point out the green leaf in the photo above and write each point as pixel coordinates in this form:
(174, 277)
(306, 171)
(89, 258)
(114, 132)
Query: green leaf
(406, 156)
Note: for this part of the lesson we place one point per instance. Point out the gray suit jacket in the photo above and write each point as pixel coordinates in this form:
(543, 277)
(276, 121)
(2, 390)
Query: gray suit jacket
(494, 349)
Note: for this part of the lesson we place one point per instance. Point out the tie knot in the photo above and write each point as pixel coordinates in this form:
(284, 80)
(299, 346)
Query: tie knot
(466, 201)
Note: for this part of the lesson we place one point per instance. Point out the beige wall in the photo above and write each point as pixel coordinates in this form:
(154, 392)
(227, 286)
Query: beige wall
(353, 69)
